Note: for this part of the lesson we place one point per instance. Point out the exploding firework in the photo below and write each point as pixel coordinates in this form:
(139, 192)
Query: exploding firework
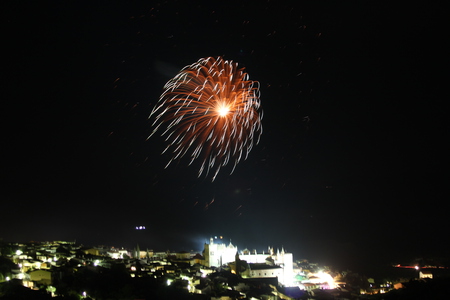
(210, 111)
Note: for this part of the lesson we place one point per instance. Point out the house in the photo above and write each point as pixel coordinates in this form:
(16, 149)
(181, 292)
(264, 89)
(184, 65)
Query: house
(264, 271)
(398, 285)
(425, 274)
(41, 277)
(92, 251)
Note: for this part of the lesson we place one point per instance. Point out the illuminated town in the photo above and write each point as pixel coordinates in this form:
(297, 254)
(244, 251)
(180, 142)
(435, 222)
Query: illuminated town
(255, 150)
(45, 270)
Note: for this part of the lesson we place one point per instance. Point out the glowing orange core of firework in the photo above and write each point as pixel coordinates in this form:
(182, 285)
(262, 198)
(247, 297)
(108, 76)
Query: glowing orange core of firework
(223, 110)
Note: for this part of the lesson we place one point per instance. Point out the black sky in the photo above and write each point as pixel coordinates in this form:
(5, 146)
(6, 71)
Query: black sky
(349, 169)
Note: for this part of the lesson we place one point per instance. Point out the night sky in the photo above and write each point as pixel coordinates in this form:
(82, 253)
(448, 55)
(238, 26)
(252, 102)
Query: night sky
(349, 170)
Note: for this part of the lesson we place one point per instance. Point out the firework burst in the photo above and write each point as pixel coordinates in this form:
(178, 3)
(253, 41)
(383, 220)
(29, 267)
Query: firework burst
(210, 111)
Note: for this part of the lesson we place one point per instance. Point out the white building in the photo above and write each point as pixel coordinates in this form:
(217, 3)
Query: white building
(281, 259)
(265, 271)
(425, 274)
(217, 254)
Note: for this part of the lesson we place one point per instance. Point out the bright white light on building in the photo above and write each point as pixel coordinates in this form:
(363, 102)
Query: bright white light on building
(169, 281)
(19, 252)
(96, 262)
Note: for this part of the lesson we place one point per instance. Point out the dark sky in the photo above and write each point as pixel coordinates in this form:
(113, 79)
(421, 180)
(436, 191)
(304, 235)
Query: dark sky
(349, 169)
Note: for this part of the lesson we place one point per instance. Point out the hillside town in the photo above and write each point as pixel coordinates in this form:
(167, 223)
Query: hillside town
(66, 270)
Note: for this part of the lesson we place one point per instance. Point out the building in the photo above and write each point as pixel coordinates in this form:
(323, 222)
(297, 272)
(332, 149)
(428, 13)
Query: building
(41, 277)
(281, 259)
(217, 253)
(425, 274)
(265, 271)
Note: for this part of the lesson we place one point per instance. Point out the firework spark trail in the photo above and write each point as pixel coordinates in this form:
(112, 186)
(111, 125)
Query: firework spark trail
(210, 109)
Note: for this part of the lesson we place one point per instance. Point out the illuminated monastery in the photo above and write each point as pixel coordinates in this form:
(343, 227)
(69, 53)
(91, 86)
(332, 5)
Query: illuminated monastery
(280, 264)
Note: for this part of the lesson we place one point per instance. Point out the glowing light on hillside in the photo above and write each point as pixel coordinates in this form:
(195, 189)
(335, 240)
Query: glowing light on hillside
(325, 277)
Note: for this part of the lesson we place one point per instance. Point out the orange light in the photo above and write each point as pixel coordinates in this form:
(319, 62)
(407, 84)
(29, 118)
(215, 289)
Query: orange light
(223, 110)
